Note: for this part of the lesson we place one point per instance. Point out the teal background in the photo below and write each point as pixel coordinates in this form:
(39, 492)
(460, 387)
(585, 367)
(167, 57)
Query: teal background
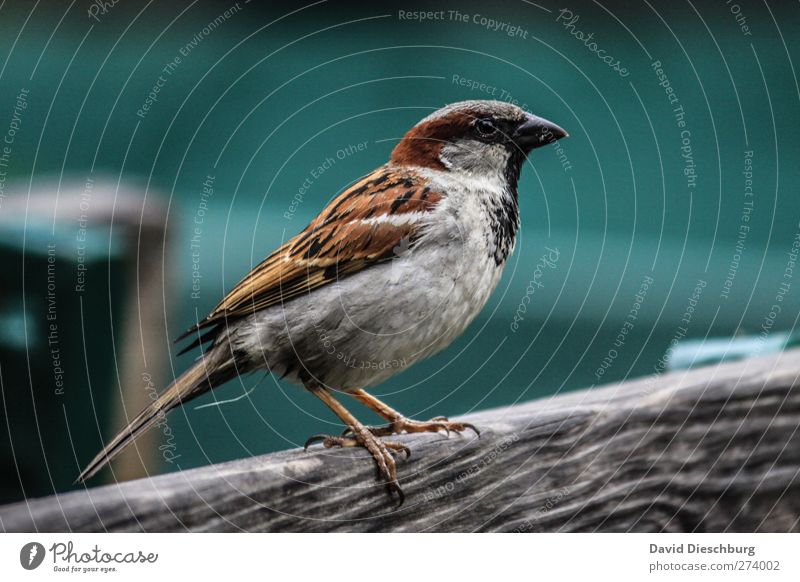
(266, 97)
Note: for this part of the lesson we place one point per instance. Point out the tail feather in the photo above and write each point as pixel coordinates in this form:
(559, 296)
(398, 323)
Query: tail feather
(202, 337)
(198, 379)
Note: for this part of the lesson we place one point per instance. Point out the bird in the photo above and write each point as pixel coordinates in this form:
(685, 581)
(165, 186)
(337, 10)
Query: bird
(390, 272)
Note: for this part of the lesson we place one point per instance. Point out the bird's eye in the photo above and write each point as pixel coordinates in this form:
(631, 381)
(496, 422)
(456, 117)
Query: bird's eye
(485, 128)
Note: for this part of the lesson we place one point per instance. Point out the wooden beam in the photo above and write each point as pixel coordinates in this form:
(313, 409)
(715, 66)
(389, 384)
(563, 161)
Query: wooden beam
(714, 449)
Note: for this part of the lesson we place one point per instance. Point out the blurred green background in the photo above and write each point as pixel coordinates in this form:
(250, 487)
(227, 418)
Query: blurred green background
(262, 96)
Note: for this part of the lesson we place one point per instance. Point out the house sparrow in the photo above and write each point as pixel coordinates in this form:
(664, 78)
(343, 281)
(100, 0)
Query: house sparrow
(391, 271)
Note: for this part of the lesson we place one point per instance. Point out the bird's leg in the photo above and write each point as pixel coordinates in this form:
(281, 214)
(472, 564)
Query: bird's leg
(399, 423)
(360, 436)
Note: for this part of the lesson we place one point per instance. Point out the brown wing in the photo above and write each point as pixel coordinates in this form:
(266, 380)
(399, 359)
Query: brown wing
(360, 227)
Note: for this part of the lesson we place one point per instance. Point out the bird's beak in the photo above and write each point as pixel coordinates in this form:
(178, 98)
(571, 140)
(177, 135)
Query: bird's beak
(535, 132)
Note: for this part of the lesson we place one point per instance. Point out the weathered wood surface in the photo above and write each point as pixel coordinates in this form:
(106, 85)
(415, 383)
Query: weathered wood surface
(715, 449)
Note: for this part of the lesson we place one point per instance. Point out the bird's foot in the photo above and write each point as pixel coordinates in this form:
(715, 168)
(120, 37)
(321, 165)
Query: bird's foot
(381, 451)
(403, 424)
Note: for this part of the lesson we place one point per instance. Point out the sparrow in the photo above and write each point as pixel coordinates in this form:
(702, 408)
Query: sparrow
(389, 273)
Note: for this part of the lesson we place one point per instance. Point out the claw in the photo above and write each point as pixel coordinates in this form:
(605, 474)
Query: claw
(313, 439)
(394, 487)
(398, 447)
(472, 427)
(382, 453)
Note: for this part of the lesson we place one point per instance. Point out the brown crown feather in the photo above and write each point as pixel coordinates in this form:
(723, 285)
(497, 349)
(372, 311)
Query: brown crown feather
(422, 145)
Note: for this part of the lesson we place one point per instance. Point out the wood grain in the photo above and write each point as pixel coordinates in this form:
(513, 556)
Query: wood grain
(714, 449)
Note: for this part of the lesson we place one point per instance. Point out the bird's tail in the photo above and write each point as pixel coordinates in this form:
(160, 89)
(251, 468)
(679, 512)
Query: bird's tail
(201, 377)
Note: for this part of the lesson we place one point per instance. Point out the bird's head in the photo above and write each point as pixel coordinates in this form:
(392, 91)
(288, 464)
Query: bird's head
(481, 137)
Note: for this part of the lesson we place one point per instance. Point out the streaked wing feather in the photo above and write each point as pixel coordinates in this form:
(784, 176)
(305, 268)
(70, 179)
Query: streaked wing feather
(359, 228)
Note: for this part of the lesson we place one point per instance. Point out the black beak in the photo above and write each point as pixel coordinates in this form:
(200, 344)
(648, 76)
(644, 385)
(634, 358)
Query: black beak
(535, 132)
